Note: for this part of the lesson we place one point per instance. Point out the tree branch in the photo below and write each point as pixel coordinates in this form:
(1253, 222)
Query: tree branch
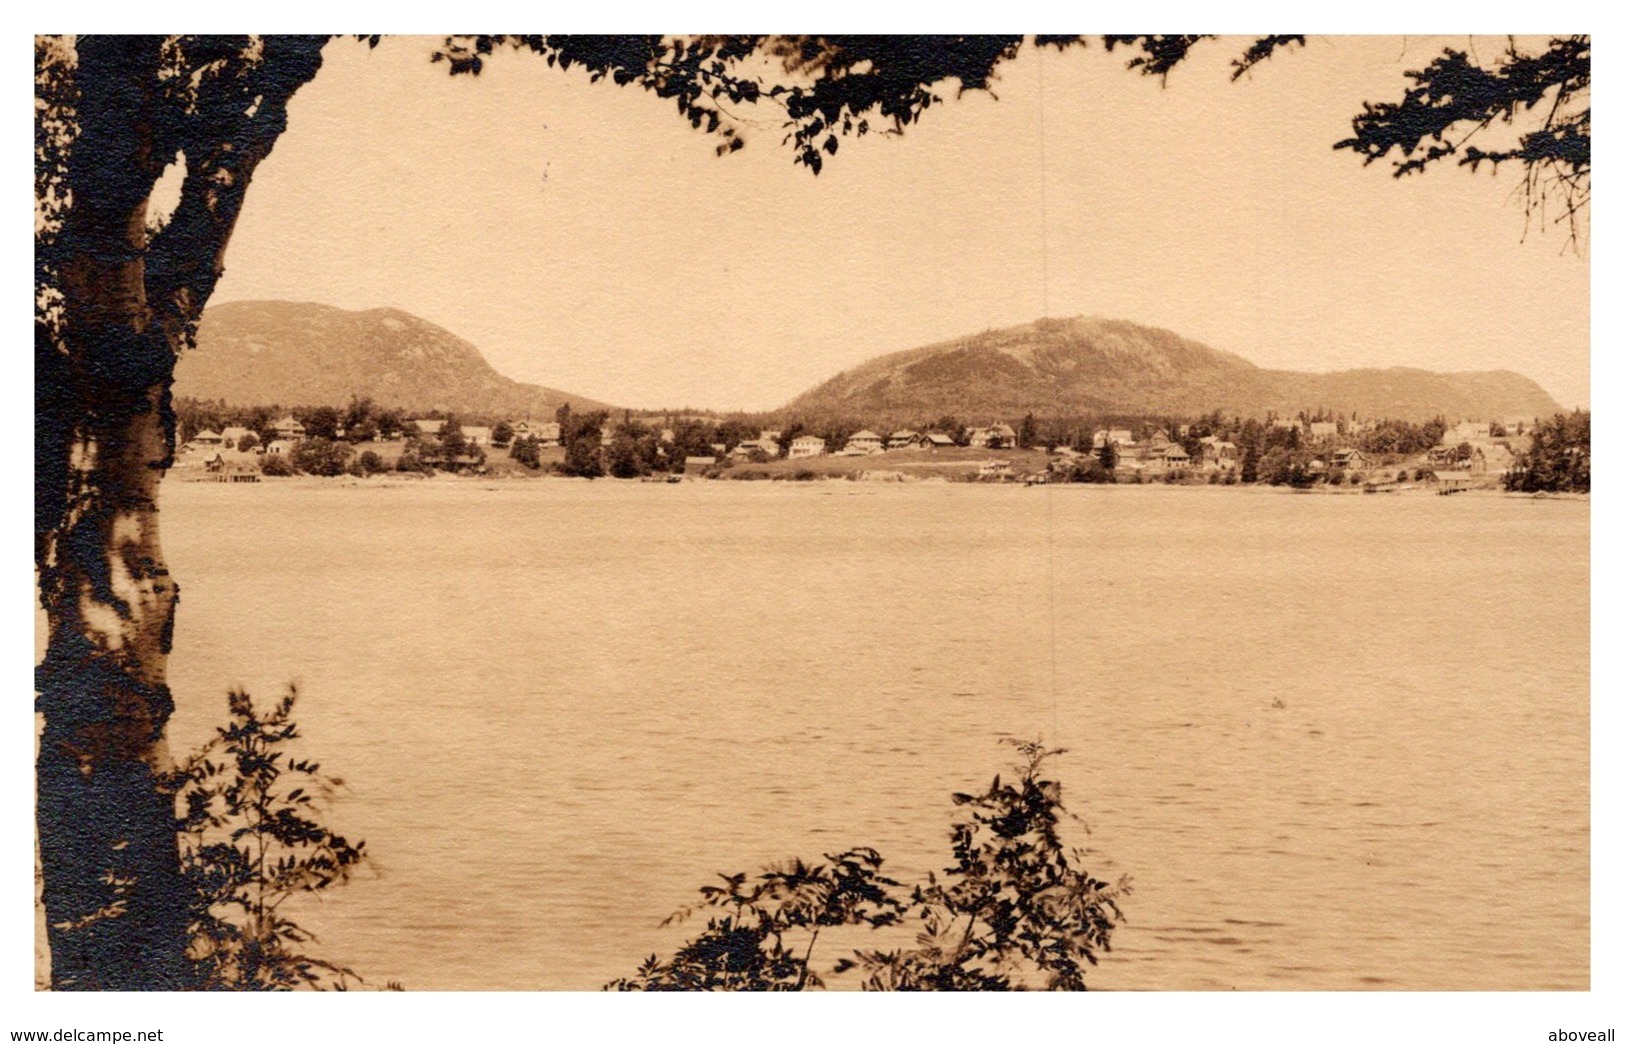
(235, 118)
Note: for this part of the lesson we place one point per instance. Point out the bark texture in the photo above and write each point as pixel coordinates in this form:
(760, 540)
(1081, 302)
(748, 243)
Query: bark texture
(116, 906)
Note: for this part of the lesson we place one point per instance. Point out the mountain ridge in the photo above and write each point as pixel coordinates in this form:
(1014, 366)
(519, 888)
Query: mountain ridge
(297, 353)
(303, 354)
(1091, 364)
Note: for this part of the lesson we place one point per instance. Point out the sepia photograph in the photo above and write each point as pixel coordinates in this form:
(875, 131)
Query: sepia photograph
(564, 514)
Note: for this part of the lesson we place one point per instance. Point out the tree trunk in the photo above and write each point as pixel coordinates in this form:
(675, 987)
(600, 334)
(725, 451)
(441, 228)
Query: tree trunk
(117, 908)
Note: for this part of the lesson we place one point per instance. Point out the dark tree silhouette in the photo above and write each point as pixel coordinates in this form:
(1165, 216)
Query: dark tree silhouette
(1558, 459)
(118, 297)
(1456, 96)
(116, 301)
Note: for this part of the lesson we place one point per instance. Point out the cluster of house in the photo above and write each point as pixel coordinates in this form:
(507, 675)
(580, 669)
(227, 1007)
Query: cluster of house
(1487, 457)
(546, 433)
(224, 450)
(860, 444)
(867, 443)
(239, 449)
(1160, 454)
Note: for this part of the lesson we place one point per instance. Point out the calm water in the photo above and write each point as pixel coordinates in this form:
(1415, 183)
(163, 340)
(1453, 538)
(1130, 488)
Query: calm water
(559, 707)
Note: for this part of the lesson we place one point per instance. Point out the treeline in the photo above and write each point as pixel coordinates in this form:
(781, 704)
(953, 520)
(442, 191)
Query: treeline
(1265, 451)
(1558, 459)
(362, 420)
(1389, 438)
(447, 450)
(631, 446)
(634, 447)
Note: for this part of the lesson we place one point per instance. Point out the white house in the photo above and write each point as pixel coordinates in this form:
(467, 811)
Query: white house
(806, 446)
(864, 442)
(1120, 437)
(996, 436)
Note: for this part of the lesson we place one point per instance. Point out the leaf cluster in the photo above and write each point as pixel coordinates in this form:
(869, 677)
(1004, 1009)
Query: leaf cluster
(1456, 96)
(754, 921)
(1558, 459)
(252, 837)
(322, 456)
(823, 87)
(1014, 910)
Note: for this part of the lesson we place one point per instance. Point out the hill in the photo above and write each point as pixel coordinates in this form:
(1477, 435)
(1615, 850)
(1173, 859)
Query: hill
(1105, 366)
(297, 354)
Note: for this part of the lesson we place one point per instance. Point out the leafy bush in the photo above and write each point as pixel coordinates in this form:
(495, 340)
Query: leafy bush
(276, 465)
(1088, 469)
(251, 837)
(412, 460)
(527, 451)
(1558, 458)
(1013, 911)
(322, 457)
(751, 942)
(582, 457)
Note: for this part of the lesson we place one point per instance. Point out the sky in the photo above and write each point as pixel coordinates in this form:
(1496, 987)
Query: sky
(584, 237)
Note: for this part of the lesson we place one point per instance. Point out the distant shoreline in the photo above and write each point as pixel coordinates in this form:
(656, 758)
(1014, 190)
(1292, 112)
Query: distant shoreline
(515, 481)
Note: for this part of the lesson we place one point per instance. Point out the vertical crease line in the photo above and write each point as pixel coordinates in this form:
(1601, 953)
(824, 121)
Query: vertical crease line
(1049, 494)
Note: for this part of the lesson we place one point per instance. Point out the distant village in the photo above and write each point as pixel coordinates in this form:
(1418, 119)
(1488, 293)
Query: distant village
(222, 444)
